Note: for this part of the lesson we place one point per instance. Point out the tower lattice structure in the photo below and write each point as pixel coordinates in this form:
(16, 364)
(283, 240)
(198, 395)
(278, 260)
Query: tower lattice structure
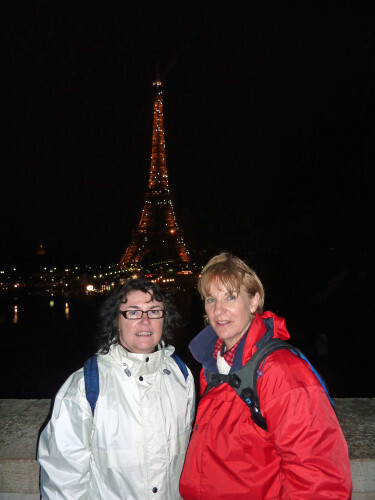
(158, 237)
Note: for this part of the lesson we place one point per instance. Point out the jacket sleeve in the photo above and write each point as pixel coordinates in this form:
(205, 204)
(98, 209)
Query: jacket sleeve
(308, 438)
(64, 444)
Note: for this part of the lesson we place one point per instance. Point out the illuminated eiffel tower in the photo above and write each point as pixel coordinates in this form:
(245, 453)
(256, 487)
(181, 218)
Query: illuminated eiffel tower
(158, 237)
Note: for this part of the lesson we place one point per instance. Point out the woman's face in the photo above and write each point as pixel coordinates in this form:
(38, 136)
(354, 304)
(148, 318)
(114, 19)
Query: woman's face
(230, 313)
(140, 335)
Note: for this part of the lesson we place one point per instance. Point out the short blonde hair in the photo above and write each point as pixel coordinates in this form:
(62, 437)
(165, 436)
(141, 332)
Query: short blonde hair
(232, 272)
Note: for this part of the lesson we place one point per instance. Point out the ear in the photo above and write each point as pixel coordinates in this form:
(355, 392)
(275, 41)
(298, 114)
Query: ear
(254, 303)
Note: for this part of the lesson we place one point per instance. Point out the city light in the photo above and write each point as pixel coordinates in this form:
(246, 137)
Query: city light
(92, 281)
(157, 232)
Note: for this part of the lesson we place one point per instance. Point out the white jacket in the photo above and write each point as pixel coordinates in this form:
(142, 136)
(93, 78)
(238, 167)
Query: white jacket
(135, 446)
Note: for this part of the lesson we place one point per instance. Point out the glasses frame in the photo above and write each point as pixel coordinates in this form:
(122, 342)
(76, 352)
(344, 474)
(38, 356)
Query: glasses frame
(124, 313)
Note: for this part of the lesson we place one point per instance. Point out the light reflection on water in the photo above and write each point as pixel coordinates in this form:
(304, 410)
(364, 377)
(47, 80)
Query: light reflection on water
(42, 341)
(17, 308)
(66, 310)
(15, 315)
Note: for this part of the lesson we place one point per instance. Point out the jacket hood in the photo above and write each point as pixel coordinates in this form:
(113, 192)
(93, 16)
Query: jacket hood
(263, 327)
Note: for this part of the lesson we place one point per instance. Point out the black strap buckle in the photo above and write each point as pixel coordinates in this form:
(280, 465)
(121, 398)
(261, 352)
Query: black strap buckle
(234, 380)
(247, 395)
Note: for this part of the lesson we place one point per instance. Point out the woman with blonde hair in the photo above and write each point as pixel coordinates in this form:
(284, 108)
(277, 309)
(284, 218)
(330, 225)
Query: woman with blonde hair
(301, 451)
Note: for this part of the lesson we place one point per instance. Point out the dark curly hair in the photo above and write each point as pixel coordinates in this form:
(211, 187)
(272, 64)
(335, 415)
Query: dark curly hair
(109, 312)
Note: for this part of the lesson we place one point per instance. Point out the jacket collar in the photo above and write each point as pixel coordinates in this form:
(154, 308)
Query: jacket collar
(138, 363)
(202, 348)
(263, 328)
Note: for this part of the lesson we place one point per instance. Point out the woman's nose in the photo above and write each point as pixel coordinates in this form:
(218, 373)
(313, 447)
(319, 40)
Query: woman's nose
(218, 308)
(145, 318)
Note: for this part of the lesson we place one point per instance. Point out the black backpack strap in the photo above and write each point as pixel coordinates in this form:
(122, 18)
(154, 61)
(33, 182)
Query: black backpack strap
(91, 373)
(248, 376)
(244, 381)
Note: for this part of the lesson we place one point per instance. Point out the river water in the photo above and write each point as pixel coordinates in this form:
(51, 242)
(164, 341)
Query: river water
(44, 339)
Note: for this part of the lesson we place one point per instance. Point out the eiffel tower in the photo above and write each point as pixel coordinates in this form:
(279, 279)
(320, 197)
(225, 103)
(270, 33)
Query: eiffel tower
(158, 237)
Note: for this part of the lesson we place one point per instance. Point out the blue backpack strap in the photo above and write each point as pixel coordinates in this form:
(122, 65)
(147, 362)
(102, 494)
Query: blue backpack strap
(181, 365)
(297, 352)
(91, 373)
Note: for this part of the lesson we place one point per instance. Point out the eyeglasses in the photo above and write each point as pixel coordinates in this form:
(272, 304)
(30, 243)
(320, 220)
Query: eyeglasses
(138, 314)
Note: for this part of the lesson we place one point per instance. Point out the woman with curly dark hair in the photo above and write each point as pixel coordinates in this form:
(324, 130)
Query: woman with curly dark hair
(134, 444)
(110, 311)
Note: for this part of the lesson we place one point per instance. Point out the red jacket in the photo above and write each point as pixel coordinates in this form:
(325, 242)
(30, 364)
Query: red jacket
(302, 456)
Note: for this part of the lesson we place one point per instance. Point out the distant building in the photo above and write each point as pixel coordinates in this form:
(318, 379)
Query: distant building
(41, 250)
(158, 237)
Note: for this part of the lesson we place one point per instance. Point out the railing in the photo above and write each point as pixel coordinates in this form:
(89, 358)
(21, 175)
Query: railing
(21, 420)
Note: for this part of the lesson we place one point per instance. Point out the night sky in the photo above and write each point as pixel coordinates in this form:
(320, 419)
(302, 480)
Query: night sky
(269, 112)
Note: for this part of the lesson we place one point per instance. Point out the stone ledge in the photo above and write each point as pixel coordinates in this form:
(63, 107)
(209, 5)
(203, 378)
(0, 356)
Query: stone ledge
(20, 423)
(357, 420)
(21, 420)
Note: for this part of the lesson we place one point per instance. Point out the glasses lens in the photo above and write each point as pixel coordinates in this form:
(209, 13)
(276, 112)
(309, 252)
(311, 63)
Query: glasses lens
(132, 314)
(155, 313)
(137, 313)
